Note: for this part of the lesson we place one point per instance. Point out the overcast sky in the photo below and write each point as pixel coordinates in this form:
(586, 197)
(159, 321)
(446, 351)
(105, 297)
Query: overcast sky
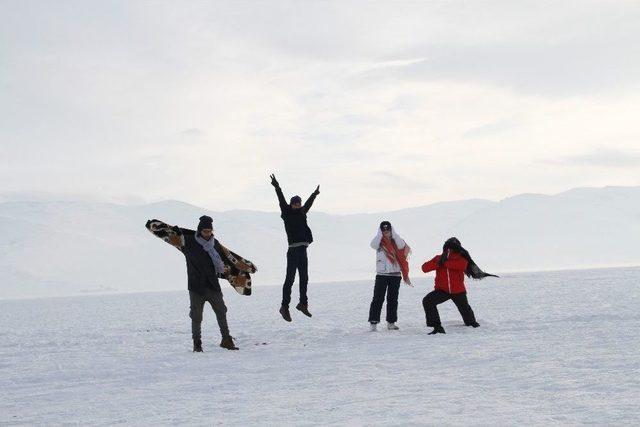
(384, 104)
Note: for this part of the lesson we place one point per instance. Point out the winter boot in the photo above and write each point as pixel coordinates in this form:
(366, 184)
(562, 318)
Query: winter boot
(197, 345)
(373, 327)
(304, 308)
(437, 330)
(474, 324)
(392, 326)
(284, 311)
(227, 342)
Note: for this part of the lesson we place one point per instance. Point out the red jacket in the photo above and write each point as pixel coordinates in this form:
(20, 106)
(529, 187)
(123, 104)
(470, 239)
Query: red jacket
(449, 277)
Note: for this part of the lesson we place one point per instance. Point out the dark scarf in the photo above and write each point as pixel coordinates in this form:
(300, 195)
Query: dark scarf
(472, 268)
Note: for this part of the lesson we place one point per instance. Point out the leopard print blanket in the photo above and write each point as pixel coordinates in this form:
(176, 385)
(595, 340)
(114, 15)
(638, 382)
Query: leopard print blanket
(237, 270)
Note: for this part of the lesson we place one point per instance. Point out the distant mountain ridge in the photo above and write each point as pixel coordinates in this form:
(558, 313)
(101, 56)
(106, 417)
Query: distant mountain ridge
(69, 247)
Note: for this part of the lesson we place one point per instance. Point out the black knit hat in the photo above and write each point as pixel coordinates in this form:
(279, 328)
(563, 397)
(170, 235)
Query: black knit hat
(385, 225)
(206, 223)
(296, 199)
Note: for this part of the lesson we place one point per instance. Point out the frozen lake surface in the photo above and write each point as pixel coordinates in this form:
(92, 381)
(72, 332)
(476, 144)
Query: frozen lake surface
(554, 348)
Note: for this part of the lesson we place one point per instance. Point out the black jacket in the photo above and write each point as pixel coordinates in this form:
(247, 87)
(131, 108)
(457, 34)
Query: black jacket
(295, 220)
(200, 270)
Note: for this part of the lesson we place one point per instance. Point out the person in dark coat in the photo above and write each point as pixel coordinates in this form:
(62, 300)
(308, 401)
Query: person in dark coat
(299, 237)
(451, 267)
(204, 266)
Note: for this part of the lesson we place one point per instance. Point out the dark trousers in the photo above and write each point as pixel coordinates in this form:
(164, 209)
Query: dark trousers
(391, 286)
(296, 260)
(436, 297)
(213, 297)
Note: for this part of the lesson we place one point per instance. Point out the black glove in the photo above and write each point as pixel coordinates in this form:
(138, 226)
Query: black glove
(317, 191)
(274, 181)
(177, 230)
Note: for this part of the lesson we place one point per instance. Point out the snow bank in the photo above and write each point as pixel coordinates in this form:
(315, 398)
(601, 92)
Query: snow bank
(554, 348)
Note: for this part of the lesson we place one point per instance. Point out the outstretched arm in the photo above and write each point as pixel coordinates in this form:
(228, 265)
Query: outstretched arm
(281, 200)
(170, 234)
(310, 200)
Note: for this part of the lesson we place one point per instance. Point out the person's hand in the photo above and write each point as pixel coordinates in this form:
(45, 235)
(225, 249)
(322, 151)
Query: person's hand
(317, 190)
(177, 230)
(274, 181)
(408, 282)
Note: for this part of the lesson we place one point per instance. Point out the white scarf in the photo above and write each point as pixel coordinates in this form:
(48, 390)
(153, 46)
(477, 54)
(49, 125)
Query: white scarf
(209, 246)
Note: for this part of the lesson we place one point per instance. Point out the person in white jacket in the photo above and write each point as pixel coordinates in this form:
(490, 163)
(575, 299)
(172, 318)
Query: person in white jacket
(391, 268)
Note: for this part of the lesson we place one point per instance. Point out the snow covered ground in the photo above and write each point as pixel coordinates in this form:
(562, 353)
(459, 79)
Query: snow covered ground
(554, 348)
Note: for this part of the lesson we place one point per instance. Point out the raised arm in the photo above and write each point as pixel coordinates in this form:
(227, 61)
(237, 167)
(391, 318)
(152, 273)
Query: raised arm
(375, 243)
(309, 202)
(281, 200)
(431, 265)
(171, 234)
(400, 243)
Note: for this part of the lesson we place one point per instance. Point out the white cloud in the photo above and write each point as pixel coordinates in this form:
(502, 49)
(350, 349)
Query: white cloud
(201, 102)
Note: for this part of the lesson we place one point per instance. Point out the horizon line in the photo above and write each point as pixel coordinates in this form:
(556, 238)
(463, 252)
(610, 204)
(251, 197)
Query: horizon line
(78, 199)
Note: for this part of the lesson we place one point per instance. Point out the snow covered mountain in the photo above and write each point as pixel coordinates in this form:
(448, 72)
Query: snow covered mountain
(66, 247)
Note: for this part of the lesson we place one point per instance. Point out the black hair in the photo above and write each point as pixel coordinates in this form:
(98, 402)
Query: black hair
(472, 269)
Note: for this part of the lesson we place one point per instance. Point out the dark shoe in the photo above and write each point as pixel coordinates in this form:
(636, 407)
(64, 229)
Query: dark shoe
(437, 330)
(227, 342)
(197, 346)
(474, 324)
(304, 308)
(284, 311)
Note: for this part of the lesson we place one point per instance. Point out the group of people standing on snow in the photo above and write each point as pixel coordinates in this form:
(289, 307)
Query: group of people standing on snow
(451, 266)
(208, 261)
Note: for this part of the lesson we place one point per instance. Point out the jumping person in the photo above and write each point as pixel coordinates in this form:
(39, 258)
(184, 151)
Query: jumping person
(451, 267)
(391, 266)
(299, 236)
(207, 260)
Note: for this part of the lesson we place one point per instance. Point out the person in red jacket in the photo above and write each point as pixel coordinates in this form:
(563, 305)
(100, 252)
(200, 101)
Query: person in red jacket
(450, 268)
